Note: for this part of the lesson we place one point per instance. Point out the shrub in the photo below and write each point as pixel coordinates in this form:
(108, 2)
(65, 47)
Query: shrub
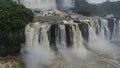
(13, 18)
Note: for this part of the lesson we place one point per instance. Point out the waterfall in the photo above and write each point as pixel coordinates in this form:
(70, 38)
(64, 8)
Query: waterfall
(65, 3)
(47, 4)
(71, 43)
(116, 31)
(101, 27)
(107, 29)
(36, 4)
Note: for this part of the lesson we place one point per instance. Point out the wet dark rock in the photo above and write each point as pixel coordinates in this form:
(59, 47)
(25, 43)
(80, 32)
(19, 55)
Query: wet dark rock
(52, 36)
(111, 26)
(11, 62)
(69, 35)
(84, 31)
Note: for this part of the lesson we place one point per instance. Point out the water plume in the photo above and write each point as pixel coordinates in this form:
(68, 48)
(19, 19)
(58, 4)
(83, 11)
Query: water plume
(102, 46)
(38, 57)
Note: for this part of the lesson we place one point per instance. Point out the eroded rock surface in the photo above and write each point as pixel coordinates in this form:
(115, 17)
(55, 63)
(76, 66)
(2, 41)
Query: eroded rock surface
(11, 62)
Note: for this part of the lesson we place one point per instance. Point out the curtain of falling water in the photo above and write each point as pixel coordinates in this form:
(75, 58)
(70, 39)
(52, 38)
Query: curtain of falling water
(108, 29)
(37, 4)
(61, 37)
(41, 38)
(47, 4)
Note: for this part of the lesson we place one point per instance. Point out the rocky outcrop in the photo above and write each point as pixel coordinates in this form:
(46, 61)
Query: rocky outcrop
(106, 28)
(11, 62)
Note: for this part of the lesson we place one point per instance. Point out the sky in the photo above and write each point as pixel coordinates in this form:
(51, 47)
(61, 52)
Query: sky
(99, 1)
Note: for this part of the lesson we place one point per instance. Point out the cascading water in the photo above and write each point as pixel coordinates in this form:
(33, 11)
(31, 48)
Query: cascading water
(72, 44)
(47, 4)
(36, 4)
(108, 29)
(102, 30)
(116, 31)
(65, 3)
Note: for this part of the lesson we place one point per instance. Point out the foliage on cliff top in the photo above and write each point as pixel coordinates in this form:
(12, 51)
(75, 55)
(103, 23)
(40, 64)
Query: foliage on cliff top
(102, 9)
(13, 18)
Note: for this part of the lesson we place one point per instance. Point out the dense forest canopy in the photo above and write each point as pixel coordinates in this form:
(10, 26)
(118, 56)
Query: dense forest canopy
(13, 19)
(102, 9)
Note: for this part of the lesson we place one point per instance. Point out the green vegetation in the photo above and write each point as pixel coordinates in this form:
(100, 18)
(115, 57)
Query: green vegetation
(102, 9)
(82, 7)
(13, 18)
(109, 8)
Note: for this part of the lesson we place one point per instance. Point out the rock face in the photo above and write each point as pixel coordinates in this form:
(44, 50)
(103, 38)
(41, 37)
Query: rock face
(106, 28)
(11, 62)
(57, 15)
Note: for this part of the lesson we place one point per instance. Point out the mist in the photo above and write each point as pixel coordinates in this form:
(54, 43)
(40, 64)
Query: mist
(70, 43)
(80, 54)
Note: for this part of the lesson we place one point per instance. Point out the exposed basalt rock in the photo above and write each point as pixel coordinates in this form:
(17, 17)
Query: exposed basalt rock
(53, 15)
(52, 36)
(84, 28)
(11, 62)
(106, 28)
(69, 35)
(111, 26)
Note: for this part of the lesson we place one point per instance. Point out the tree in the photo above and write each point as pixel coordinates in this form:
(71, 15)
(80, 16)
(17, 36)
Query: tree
(82, 7)
(13, 18)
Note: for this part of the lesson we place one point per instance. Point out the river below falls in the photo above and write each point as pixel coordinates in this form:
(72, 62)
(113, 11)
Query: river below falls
(59, 62)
